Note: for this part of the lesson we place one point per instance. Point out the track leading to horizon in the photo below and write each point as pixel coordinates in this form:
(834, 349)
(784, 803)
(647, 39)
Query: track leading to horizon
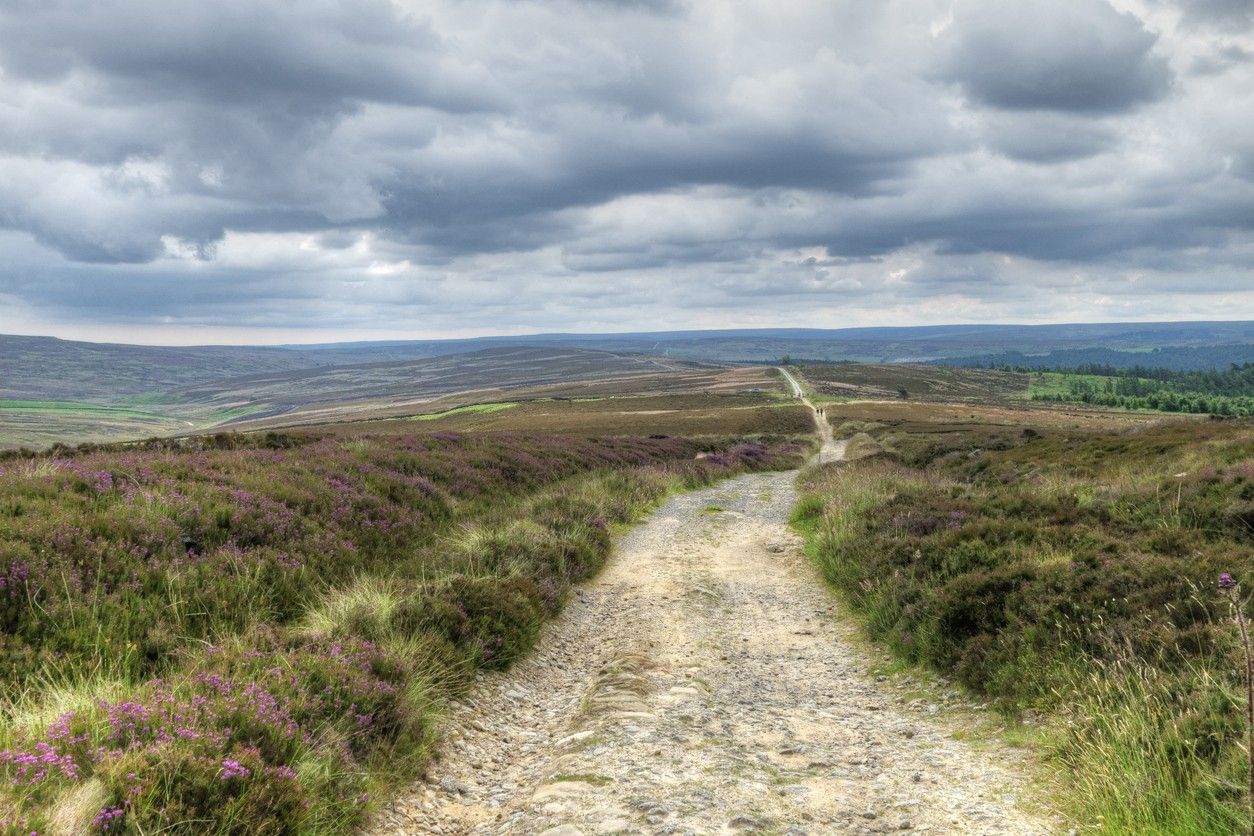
(706, 682)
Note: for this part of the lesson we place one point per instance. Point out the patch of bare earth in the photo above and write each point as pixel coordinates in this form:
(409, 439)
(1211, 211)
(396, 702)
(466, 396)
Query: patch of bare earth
(706, 683)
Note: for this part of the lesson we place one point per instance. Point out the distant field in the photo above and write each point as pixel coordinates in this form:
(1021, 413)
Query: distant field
(1054, 383)
(911, 428)
(473, 409)
(588, 375)
(671, 414)
(40, 424)
(934, 417)
(162, 390)
(890, 380)
(289, 398)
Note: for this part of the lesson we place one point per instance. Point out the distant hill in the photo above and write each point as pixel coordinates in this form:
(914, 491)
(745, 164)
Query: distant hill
(305, 395)
(1176, 358)
(410, 381)
(44, 368)
(52, 389)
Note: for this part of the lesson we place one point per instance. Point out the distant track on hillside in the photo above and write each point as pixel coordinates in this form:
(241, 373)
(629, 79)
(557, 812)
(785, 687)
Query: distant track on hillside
(796, 387)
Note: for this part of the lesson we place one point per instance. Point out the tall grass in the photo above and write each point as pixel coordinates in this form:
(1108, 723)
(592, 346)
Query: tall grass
(1073, 576)
(1150, 750)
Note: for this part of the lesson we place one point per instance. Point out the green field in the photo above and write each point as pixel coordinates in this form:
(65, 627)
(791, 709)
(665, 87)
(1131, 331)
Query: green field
(472, 409)
(71, 407)
(1062, 383)
(40, 424)
(745, 413)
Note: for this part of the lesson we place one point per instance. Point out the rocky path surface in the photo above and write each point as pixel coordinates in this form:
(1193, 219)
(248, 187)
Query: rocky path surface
(705, 682)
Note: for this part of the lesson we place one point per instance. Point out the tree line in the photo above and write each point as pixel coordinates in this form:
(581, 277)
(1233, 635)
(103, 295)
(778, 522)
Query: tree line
(1229, 392)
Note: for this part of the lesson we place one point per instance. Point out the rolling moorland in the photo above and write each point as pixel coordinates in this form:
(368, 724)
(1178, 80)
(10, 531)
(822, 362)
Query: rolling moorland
(309, 396)
(1061, 565)
(258, 631)
(61, 391)
(1227, 393)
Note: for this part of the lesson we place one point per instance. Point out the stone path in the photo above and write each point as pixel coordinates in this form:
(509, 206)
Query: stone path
(705, 682)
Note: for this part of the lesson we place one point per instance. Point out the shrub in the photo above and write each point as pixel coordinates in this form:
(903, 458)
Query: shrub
(279, 617)
(1054, 573)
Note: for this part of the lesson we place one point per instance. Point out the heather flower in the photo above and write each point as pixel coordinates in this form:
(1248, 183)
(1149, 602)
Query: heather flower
(106, 817)
(193, 522)
(1226, 581)
(33, 767)
(233, 769)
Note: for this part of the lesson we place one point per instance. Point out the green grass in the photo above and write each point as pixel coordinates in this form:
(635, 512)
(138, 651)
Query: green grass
(42, 423)
(472, 409)
(145, 399)
(217, 416)
(72, 407)
(1061, 383)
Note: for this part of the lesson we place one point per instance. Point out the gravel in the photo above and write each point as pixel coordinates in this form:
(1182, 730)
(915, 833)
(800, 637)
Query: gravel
(706, 683)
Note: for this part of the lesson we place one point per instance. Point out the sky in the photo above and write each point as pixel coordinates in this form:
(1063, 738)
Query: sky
(260, 171)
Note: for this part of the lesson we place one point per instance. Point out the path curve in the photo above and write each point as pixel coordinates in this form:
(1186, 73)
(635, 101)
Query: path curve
(706, 683)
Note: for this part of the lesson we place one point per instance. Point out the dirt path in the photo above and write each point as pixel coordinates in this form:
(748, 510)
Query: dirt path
(792, 382)
(705, 682)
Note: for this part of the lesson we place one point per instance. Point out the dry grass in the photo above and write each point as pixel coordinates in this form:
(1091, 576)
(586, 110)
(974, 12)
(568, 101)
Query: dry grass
(859, 380)
(683, 414)
(915, 416)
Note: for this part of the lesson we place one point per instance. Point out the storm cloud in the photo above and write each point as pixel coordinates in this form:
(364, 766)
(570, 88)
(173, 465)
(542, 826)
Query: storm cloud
(271, 170)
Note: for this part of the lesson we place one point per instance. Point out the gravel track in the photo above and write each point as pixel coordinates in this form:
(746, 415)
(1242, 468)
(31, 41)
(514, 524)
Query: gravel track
(706, 682)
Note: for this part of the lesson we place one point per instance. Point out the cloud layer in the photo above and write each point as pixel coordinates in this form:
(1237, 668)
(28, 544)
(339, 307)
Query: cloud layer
(263, 169)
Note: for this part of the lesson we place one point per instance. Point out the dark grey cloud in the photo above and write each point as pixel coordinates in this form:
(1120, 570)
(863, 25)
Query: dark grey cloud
(309, 59)
(1080, 57)
(395, 163)
(1221, 60)
(1221, 14)
(1047, 138)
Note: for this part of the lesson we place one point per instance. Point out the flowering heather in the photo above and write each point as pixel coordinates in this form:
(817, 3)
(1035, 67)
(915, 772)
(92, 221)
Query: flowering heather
(161, 544)
(1070, 571)
(191, 572)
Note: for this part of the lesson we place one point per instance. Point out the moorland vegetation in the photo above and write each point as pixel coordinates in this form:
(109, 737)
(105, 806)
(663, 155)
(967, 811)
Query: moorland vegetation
(1067, 573)
(255, 634)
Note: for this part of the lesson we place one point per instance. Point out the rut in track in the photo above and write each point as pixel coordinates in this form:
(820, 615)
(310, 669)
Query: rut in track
(705, 682)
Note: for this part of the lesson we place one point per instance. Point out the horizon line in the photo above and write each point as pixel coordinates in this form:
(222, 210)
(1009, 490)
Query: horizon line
(534, 335)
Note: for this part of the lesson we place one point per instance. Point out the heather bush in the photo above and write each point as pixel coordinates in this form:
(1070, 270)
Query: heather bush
(253, 635)
(1045, 571)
